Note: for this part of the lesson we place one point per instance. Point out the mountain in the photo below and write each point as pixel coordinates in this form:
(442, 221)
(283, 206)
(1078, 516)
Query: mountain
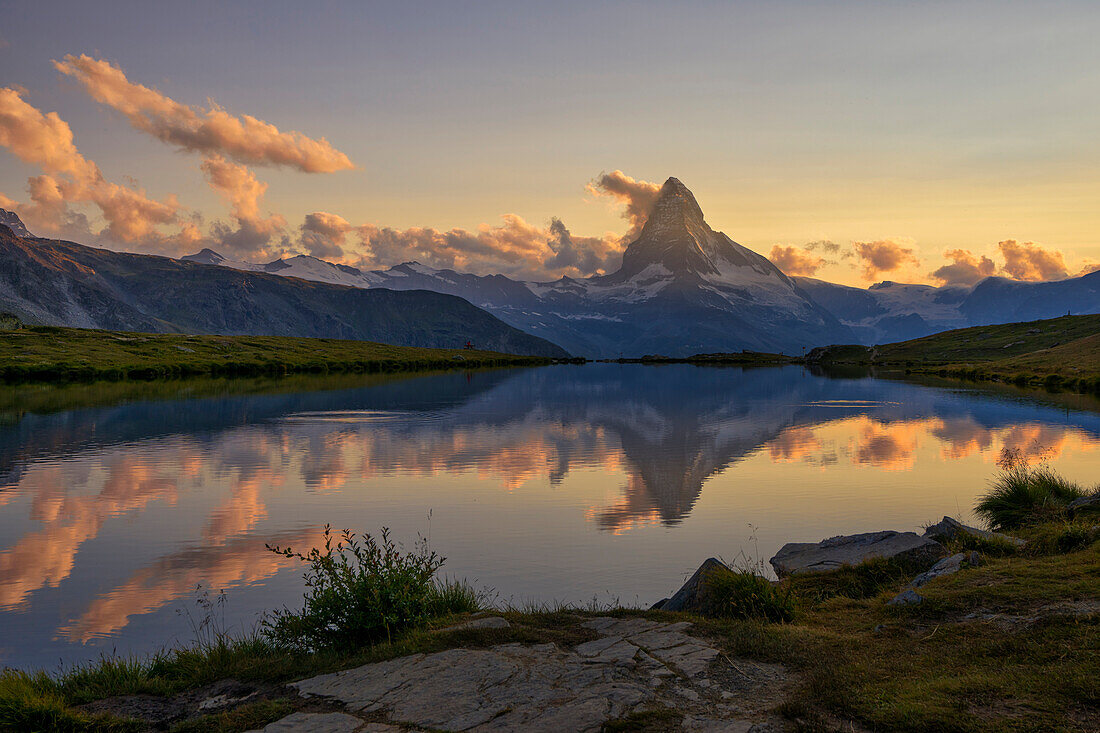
(890, 311)
(682, 289)
(12, 221)
(63, 283)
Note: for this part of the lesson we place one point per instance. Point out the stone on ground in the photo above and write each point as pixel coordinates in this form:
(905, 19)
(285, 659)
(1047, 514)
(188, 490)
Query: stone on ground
(689, 597)
(1090, 503)
(947, 566)
(836, 552)
(906, 598)
(948, 529)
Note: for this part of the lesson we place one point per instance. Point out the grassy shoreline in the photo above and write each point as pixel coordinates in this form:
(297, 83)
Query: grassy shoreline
(55, 354)
(1058, 354)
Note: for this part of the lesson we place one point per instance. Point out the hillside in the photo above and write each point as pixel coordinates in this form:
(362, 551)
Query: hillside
(53, 353)
(1057, 352)
(66, 284)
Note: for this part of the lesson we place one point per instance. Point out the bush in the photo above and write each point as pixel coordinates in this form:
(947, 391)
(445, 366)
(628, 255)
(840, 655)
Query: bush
(362, 591)
(1023, 495)
(743, 594)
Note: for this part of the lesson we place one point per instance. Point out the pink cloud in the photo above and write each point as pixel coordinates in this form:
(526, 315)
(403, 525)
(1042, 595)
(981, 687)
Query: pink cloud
(46, 140)
(637, 196)
(211, 131)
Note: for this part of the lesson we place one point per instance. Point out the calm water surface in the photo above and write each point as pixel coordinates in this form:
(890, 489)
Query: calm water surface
(604, 481)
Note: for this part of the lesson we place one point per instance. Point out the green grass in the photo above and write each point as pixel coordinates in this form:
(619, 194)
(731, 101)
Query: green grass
(54, 354)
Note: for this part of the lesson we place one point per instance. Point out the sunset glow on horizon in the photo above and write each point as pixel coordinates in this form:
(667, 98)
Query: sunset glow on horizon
(853, 142)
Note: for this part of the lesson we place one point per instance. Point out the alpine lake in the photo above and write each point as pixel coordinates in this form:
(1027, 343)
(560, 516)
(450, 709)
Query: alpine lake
(130, 510)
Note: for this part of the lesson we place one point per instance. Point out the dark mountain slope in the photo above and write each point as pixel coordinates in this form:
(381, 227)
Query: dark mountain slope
(63, 283)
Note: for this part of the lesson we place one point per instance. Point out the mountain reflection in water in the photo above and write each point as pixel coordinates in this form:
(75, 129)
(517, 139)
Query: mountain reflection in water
(112, 516)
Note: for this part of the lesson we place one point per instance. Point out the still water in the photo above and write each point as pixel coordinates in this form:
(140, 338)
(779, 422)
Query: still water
(608, 482)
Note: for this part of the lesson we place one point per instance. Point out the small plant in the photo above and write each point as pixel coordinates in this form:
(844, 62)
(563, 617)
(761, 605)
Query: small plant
(362, 590)
(1023, 495)
(742, 592)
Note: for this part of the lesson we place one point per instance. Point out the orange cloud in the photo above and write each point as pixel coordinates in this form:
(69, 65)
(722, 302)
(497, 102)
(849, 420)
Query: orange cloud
(637, 196)
(884, 255)
(1030, 261)
(239, 186)
(515, 248)
(966, 268)
(795, 260)
(324, 234)
(46, 140)
(211, 131)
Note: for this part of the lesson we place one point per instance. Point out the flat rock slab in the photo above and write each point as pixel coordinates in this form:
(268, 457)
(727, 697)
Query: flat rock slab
(836, 552)
(633, 664)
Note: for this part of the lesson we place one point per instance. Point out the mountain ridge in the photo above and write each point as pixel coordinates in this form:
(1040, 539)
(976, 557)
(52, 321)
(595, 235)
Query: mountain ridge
(55, 282)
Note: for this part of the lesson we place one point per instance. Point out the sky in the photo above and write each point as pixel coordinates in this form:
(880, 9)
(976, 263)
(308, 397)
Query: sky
(855, 142)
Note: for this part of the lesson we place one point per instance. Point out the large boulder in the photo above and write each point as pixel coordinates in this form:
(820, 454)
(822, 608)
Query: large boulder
(836, 552)
(690, 595)
(949, 529)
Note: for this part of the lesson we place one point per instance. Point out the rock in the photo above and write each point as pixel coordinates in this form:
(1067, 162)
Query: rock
(633, 663)
(948, 529)
(489, 622)
(836, 552)
(688, 598)
(1090, 503)
(947, 566)
(317, 723)
(906, 598)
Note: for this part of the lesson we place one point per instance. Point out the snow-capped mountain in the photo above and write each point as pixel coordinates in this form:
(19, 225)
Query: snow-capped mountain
(12, 221)
(892, 311)
(682, 289)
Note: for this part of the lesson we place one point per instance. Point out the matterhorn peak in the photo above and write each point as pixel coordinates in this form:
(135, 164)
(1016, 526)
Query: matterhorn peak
(677, 241)
(676, 204)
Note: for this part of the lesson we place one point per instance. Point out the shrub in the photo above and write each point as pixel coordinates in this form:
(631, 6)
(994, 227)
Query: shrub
(361, 590)
(743, 594)
(1022, 495)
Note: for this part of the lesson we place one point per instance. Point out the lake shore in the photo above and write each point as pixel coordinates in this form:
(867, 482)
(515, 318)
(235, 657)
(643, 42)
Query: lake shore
(54, 354)
(1011, 641)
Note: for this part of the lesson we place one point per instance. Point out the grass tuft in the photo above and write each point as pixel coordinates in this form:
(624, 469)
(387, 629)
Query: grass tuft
(742, 594)
(1023, 495)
